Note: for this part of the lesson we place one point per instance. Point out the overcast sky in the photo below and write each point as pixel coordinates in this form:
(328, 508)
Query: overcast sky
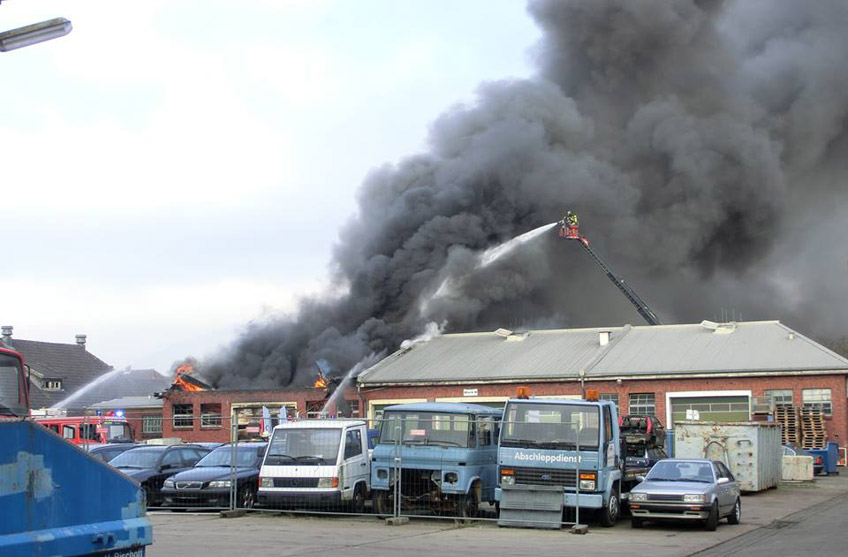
(174, 170)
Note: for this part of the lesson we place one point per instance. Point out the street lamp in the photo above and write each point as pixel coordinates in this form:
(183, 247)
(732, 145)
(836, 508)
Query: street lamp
(34, 34)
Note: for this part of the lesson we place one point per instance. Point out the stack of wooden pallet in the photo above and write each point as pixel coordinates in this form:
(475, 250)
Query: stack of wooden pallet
(787, 416)
(814, 435)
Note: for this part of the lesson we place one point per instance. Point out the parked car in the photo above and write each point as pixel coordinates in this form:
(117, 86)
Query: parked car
(209, 483)
(687, 489)
(641, 459)
(151, 464)
(108, 451)
(818, 465)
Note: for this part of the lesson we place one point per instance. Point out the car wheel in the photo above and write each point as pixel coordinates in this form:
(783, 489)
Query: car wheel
(736, 516)
(635, 522)
(246, 498)
(610, 513)
(357, 503)
(712, 520)
(382, 502)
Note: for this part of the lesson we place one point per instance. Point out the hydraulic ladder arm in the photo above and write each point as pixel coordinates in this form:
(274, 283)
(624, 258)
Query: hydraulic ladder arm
(569, 230)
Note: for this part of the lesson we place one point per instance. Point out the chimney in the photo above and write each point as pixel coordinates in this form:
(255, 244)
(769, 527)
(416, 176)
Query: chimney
(604, 337)
(81, 341)
(7, 334)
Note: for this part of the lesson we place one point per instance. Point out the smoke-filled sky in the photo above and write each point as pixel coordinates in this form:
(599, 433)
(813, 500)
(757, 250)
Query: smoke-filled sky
(701, 142)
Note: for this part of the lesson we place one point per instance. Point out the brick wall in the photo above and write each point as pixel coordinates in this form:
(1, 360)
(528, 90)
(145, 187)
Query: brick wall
(837, 425)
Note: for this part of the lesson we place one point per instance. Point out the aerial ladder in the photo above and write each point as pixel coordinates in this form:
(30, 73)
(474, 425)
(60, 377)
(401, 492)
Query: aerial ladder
(569, 229)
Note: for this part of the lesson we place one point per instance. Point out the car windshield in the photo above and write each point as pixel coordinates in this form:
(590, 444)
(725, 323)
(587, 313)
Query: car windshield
(681, 471)
(551, 426)
(427, 428)
(246, 457)
(291, 446)
(136, 458)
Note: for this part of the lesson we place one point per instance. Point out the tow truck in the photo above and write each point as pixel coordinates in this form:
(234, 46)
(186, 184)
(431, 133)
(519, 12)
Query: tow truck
(56, 499)
(569, 229)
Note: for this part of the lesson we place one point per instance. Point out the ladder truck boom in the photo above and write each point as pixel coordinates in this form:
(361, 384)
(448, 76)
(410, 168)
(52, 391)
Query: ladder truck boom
(569, 229)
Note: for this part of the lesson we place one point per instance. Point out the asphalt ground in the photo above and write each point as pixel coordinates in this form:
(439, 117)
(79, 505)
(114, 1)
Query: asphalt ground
(260, 534)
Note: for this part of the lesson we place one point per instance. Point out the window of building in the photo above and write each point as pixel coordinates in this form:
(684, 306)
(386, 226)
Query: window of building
(642, 404)
(210, 415)
(151, 425)
(52, 385)
(313, 408)
(780, 396)
(817, 398)
(612, 397)
(354, 407)
(183, 416)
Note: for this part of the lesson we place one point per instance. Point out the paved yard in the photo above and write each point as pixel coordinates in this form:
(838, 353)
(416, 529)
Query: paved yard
(261, 534)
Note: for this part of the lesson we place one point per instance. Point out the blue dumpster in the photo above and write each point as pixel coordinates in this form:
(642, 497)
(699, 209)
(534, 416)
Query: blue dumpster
(829, 456)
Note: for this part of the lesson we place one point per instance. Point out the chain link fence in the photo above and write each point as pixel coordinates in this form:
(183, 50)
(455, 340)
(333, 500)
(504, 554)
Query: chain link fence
(425, 465)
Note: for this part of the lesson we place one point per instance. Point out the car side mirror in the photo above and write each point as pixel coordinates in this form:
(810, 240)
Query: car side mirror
(724, 480)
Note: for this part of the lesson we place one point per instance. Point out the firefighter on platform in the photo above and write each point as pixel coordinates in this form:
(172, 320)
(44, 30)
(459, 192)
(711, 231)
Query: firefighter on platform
(571, 219)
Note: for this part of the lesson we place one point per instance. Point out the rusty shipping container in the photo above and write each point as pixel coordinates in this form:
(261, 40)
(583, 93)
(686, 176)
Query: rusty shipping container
(751, 450)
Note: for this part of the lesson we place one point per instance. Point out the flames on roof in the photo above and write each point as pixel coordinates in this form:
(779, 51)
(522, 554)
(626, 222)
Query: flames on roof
(184, 381)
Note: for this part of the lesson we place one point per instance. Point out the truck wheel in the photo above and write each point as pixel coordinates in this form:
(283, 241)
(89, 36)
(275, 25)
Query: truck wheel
(382, 502)
(712, 521)
(610, 513)
(357, 503)
(468, 504)
(736, 516)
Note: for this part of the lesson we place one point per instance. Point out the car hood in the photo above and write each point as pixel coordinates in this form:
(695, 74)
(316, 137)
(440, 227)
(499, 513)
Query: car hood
(211, 473)
(138, 474)
(653, 486)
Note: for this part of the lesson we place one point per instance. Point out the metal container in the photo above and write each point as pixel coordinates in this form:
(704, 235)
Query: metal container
(751, 450)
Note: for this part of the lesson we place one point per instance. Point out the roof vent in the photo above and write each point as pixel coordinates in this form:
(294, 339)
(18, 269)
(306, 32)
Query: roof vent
(517, 337)
(604, 337)
(503, 333)
(719, 328)
(790, 336)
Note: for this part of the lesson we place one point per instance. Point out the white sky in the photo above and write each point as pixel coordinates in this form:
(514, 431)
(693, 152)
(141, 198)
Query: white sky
(172, 170)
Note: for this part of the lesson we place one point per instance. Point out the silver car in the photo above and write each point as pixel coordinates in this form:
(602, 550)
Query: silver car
(686, 489)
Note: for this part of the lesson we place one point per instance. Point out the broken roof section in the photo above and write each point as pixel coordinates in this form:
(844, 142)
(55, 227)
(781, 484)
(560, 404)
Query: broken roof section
(759, 347)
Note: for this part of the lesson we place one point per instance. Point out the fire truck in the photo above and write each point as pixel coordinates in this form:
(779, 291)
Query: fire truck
(56, 498)
(85, 430)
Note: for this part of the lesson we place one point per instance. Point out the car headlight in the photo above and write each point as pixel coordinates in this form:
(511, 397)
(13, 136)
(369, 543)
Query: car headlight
(451, 477)
(266, 482)
(587, 485)
(694, 498)
(507, 476)
(382, 473)
(328, 482)
(168, 483)
(221, 483)
(638, 496)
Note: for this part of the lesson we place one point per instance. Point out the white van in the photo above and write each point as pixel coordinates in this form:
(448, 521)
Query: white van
(316, 463)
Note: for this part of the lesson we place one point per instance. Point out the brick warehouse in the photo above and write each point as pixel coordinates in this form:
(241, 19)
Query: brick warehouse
(718, 370)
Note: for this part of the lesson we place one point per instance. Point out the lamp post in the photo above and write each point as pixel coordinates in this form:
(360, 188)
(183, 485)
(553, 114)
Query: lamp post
(34, 34)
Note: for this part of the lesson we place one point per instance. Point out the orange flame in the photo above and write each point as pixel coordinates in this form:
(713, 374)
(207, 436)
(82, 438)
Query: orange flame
(186, 369)
(320, 383)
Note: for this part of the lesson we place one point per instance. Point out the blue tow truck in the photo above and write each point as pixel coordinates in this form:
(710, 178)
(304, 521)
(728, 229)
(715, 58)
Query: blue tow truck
(558, 454)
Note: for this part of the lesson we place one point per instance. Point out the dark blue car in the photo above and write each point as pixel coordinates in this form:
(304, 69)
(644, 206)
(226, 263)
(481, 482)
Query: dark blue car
(209, 483)
(149, 465)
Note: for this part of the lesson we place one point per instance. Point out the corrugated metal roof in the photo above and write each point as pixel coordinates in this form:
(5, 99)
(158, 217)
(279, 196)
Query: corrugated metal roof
(760, 347)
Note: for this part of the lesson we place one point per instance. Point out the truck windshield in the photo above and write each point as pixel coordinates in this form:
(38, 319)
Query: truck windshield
(11, 403)
(292, 446)
(118, 432)
(427, 428)
(551, 426)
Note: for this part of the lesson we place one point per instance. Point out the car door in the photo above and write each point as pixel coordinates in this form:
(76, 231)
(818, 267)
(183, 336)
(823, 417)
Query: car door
(355, 461)
(725, 487)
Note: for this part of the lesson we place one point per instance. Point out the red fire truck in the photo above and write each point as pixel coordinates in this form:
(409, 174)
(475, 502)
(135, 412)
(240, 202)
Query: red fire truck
(85, 430)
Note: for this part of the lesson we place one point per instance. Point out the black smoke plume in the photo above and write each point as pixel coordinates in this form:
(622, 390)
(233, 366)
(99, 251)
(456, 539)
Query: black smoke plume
(701, 142)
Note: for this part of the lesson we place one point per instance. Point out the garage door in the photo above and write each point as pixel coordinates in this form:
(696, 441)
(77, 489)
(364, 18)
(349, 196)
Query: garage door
(714, 409)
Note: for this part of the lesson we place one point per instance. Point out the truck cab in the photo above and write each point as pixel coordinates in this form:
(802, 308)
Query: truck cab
(440, 456)
(316, 463)
(555, 455)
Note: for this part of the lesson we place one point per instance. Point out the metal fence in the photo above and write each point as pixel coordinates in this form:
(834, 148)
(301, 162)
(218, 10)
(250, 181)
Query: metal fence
(432, 467)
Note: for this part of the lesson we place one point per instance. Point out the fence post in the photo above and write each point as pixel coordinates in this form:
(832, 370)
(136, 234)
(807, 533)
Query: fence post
(577, 484)
(397, 468)
(233, 455)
